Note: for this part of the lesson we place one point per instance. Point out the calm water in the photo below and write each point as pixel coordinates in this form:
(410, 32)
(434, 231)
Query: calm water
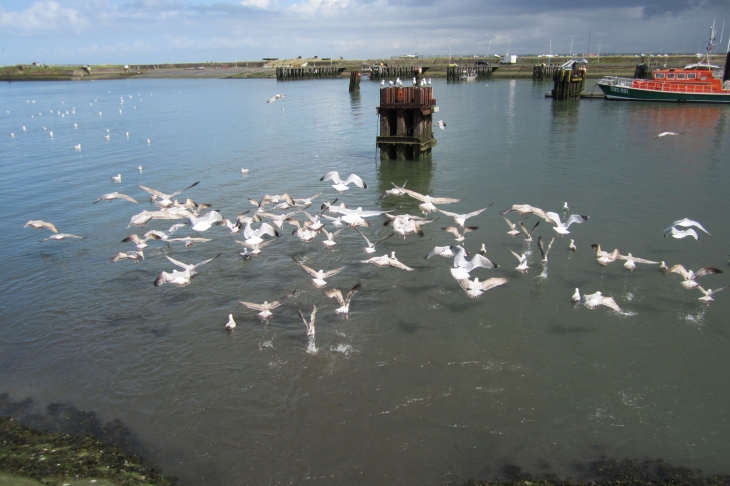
(421, 385)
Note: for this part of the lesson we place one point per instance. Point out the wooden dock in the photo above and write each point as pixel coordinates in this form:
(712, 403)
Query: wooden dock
(542, 72)
(378, 72)
(406, 126)
(308, 72)
(455, 72)
(568, 84)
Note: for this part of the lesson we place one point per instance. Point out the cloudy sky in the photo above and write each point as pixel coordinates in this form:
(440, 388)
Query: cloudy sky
(159, 31)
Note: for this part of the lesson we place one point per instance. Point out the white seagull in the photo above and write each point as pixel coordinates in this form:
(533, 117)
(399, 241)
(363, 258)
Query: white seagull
(387, 261)
(165, 200)
(679, 234)
(461, 218)
(330, 242)
(523, 266)
(319, 275)
(60, 236)
(117, 178)
(429, 201)
(597, 299)
(563, 228)
(341, 185)
(543, 251)
(38, 224)
(276, 97)
(370, 249)
(528, 233)
(254, 236)
(231, 324)
(475, 288)
(687, 223)
(115, 195)
(460, 236)
(513, 231)
(441, 124)
(604, 257)
(181, 278)
(664, 134)
(631, 261)
(707, 298)
(309, 323)
(344, 303)
(265, 308)
(690, 276)
(130, 255)
(204, 223)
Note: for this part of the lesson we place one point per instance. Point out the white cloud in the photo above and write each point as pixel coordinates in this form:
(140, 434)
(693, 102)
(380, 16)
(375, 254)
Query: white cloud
(46, 16)
(256, 3)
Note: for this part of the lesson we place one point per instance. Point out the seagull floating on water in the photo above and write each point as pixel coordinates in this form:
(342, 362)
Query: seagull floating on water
(596, 300)
(231, 324)
(117, 178)
(707, 298)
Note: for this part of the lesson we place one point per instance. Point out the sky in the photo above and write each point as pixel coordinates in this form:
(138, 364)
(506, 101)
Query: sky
(167, 31)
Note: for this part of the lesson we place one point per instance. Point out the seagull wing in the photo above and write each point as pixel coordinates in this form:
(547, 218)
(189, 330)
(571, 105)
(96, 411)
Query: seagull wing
(333, 272)
(366, 238)
(575, 218)
(398, 264)
(453, 215)
(512, 251)
(193, 267)
(688, 222)
(444, 200)
(705, 271)
(335, 293)
(678, 268)
(310, 271)
(357, 180)
(355, 288)
(179, 264)
(512, 225)
(281, 300)
(415, 194)
(643, 260)
(333, 176)
(554, 217)
(609, 302)
(475, 213)
(124, 196)
(493, 282)
(454, 231)
(253, 306)
(481, 261)
(154, 192)
(381, 239)
(440, 250)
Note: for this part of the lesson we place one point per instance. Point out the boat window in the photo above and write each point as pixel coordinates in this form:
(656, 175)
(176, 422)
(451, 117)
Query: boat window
(659, 76)
(691, 75)
(670, 76)
(680, 76)
(704, 78)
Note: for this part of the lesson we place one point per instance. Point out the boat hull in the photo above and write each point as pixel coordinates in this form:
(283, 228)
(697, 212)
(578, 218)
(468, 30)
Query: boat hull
(637, 94)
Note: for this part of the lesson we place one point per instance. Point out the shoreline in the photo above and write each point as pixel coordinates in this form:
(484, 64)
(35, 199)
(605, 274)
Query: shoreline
(435, 68)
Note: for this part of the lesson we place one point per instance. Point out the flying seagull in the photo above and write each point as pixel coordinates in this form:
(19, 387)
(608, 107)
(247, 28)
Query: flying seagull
(265, 308)
(115, 195)
(181, 278)
(341, 185)
(475, 288)
(344, 303)
(319, 275)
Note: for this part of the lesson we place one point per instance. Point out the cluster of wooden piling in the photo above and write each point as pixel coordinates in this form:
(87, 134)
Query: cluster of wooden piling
(645, 69)
(542, 72)
(308, 72)
(483, 71)
(569, 83)
(406, 126)
(382, 71)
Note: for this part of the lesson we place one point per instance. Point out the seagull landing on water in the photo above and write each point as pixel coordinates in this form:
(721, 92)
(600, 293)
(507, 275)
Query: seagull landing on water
(178, 278)
(571, 245)
(543, 251)
(631, 261)
(690, 276)
(528, 233)
(707, 298)
(596, 300)
(341, 185)
(266, 307)
(370, 249)
(231, 324)
(513, 231)
(475, 288)
(319, 275)
(522, 267)
(604, 257)
(309, 323)
(562, 228)
(344, 302)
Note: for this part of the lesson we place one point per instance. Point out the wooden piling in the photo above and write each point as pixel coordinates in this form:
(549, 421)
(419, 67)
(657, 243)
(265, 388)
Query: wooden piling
(406, 127)
(288, 73)
(482, 71)
(569, 83)
(542, 72)
(355, 81)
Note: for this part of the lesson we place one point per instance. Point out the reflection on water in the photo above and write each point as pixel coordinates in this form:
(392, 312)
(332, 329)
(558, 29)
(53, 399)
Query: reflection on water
(416, 175)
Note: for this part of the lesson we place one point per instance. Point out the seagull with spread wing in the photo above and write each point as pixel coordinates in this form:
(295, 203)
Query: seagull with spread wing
(165, 200)
(265, 308)
(344, 302)
(181, 278)
(319, 275)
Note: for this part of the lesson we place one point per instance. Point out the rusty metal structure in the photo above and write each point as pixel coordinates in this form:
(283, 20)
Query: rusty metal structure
(406, 126)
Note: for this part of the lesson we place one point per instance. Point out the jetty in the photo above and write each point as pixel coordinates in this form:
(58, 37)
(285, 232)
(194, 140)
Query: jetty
(406, 126)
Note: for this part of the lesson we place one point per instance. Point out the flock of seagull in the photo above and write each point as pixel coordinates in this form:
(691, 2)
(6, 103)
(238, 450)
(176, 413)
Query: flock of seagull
(265, 223)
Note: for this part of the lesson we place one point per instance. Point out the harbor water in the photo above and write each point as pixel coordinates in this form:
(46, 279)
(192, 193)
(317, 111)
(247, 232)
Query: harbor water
(421, 384)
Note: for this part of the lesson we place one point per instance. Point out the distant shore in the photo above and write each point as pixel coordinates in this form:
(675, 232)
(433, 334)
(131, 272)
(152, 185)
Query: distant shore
(436, 68)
